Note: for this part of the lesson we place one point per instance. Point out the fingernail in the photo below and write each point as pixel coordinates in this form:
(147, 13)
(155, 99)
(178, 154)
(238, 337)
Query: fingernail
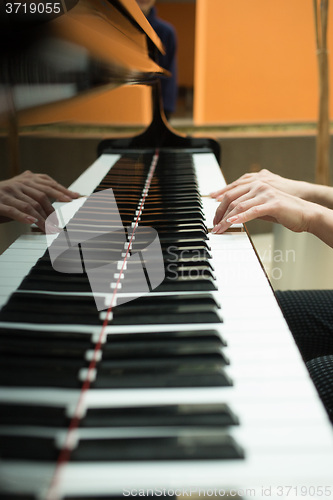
(30, 219)
(233, 219)
(216, 228)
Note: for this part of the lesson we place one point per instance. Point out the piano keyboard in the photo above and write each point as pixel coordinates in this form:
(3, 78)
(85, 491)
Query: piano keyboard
(197, 385)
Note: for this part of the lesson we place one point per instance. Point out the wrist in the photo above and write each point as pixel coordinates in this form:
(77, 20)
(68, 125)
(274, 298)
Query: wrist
(316, 219)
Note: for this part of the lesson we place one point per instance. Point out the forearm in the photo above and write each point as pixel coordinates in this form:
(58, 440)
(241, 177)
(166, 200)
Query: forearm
(323, 195)
(321, 224)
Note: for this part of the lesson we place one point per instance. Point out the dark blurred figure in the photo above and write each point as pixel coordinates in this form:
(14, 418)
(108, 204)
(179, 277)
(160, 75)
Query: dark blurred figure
(167, 34)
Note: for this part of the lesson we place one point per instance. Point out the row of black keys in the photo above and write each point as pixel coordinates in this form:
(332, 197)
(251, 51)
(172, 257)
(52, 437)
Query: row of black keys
(173, 190)
(186, 266)
(161, 359)
(172, 359)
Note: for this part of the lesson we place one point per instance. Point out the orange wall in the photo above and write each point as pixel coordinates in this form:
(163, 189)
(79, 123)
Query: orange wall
(256, 61)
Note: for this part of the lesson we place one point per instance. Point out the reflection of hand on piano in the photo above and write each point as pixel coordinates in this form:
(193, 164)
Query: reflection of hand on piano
(26, 198)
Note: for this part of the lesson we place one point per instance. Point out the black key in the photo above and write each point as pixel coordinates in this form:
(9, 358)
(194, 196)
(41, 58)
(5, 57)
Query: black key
(192, 271)
(39, 415)
(188, 336)
(190, 266)
(187, 415)
(183, 244)
(22, 447)
(84, 340)
(175, 226)
(186, 285)
(176, 352)
(44, 343)
(73, 283)
(131, 349)
(58, 283)
(171, 371)
(44, 308)
(162, 373)
(172, 203)
(40, 372)
(180, 215)
(47, 308)
(181, 254)
(160, 349)
(179, 445)
(174, 302)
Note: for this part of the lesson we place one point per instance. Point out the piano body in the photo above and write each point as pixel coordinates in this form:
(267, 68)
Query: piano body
(193, 389)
